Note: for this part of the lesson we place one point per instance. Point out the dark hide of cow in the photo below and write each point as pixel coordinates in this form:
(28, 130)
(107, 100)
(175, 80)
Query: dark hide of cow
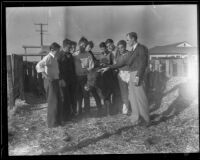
(105, 82)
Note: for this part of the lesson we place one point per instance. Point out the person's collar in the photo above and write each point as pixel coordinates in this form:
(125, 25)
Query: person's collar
(51, 54)
(134, 46)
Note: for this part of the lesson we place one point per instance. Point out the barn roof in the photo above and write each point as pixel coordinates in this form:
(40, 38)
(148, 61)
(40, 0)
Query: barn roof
(181, 48)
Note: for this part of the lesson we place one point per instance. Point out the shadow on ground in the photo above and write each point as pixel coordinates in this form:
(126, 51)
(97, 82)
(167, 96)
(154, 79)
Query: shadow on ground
(33, 99)
(185, 97)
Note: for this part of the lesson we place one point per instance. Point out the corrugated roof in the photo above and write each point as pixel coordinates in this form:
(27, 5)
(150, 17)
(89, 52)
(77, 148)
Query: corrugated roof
(173, 49)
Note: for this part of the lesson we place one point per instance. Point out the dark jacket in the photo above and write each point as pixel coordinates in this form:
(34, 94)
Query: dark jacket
(66, 67)
(136, 60)
(120, 58)
(106, 58)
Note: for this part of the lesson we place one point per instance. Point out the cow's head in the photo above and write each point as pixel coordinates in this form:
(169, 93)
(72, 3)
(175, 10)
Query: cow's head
(91, 79)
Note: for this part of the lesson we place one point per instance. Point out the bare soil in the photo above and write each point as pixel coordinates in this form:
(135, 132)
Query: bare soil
(174, 129)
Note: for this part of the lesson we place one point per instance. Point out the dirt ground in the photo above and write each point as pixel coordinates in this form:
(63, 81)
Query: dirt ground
(174, 129)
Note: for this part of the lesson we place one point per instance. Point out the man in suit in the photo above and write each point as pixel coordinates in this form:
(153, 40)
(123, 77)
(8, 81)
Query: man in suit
(137, 61)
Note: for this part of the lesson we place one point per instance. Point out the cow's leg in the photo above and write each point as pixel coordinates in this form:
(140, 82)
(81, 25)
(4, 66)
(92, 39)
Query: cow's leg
(79, 97)
(86, 95)
(107, 106)
(96, 97)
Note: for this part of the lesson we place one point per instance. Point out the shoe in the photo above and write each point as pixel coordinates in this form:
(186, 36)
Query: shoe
(134, 121)
(145, 123)
(148, 124)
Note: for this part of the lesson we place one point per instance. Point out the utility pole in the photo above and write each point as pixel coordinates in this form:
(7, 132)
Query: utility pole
(41, 31)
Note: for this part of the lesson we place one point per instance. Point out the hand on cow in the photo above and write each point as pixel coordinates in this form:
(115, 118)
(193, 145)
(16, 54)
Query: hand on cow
(102, 70)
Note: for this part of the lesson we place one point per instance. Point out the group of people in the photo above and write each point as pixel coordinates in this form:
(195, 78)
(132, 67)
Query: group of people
(66, 68)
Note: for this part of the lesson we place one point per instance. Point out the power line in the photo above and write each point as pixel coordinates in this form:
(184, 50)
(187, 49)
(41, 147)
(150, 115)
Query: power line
(41, 31)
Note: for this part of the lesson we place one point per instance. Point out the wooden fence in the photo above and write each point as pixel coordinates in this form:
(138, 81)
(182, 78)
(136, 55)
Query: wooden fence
(15, 86)
(22, 78)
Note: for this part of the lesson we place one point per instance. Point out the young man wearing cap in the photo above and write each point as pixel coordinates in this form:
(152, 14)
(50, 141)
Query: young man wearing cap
(67, 78)
(117, 101)
(49, 67)
(106, 57)
(123, 76)
(83, 64)
(89, 47)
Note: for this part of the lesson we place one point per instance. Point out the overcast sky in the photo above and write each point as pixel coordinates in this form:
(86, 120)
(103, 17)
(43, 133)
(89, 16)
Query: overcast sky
(155, 25)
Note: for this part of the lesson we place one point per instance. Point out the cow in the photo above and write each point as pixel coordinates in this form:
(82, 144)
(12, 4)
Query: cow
(104, 81)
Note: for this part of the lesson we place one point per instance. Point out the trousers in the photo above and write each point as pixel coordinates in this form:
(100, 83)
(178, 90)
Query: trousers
(138, 100)
(124, 92)
(54, 110)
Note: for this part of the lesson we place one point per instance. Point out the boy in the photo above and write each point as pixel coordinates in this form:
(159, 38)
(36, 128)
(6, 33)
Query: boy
(117, 102)
(83, 63)
(93, 90)
(67, 76)
(106, 57)
(89, 48)
(73, 47)
(49, 67)
(123, 76)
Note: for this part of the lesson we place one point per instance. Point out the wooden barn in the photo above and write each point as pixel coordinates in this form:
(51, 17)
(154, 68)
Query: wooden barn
(178, 59)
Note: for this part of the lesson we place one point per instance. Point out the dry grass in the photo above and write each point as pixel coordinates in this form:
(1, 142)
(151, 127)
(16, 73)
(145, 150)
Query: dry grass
(108, 135)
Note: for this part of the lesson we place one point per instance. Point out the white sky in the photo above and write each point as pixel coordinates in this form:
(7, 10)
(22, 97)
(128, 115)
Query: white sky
(155, 25)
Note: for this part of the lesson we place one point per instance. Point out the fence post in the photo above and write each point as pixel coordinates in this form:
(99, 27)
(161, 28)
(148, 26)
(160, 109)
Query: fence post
(171, 67)
(21, 80)
(167, 68)
(10, 95)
